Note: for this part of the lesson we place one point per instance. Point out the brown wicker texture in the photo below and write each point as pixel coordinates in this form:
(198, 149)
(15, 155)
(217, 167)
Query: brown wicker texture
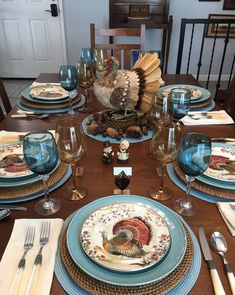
(211, 190)
(42, 105)
(120, 124)
(97, 287)
(28, 189)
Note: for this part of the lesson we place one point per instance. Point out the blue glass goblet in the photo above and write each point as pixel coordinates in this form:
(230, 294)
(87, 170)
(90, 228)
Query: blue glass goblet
(193, 159)
(68, 80)
(41, 157)
(181, 98)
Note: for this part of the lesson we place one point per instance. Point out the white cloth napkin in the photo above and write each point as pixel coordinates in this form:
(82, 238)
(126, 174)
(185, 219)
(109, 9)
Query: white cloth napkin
(12, 136)
(34, 84)
(14, 251)
(228, 214)
(207, 118)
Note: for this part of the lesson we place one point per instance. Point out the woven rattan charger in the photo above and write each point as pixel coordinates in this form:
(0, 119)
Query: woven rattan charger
(97, 287)
(205, 188)
(29, 189)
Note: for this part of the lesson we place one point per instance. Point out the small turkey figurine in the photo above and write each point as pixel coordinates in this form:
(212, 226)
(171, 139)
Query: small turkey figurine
(130, 90)
(129, 237)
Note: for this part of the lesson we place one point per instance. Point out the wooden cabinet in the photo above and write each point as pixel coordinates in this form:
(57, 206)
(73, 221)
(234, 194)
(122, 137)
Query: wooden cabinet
(154, 14)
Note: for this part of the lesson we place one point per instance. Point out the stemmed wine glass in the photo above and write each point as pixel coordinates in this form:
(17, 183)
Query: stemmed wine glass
(161, 113)
(193, 159)
(181, 98)
(68, 80)
(86, 77)
(72, 146)
(164, 148)
(101, 61)
(41, 157)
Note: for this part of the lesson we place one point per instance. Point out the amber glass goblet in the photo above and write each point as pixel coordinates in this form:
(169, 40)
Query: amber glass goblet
(72, 147)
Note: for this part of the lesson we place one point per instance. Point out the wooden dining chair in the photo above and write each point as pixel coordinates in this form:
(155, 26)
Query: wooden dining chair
(122, 51)
(5, 100)
(227, 97)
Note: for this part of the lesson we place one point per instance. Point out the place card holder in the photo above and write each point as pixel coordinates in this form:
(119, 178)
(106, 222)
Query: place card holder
(122, 180)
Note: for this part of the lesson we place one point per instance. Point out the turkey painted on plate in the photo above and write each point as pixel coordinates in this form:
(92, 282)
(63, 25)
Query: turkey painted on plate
(125, 237)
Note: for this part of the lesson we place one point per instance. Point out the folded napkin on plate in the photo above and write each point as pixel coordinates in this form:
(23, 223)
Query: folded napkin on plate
(207, 118)
(14, 251)
(228, 214)
(34, 84)
(12, 136)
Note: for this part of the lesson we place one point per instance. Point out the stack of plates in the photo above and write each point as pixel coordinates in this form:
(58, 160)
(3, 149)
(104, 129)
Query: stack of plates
(17, 182)
(217, 183)
(157, 244)
(48, 99)
(200, 99)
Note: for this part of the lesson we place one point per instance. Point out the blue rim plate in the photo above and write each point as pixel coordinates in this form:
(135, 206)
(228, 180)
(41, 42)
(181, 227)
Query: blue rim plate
(205, 93)
(194, 192)
(26, 94)
(172, 260)
(50, 111)
(100, 137)
(62, 180)
(205, 108)
(183, 287)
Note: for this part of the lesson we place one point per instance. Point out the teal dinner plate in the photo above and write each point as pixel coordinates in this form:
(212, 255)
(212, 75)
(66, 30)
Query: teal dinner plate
(50, 111)
(210, 106)
(26, 95)
(158, 272)
(205, 93)
(100, 137)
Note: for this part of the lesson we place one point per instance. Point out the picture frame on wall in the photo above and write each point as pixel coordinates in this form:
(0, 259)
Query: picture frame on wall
(209, 0)
(222, 28)
(229, 5)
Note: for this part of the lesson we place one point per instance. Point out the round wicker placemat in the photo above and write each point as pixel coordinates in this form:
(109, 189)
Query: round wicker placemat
(94, 286)
(211, 190)
(29, 189)
(32, 104)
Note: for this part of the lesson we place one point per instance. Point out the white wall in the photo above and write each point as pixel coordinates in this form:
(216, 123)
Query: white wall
(79, 14)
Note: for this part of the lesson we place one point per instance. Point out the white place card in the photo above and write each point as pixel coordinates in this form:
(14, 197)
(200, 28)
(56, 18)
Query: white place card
(118, 170)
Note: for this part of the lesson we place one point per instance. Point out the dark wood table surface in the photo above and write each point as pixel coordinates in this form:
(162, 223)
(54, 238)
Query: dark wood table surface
(99, 180)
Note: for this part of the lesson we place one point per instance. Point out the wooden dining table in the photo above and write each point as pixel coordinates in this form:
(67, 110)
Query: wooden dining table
(99, 179)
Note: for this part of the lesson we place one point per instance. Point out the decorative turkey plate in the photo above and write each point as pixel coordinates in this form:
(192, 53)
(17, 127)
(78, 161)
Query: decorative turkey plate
(198, 93)
(12, 162)
(49, 92)
(125, 237)
(222, 164)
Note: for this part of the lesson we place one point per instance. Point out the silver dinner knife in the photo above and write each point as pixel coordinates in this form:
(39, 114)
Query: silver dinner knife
(13, 207)
(218, 287)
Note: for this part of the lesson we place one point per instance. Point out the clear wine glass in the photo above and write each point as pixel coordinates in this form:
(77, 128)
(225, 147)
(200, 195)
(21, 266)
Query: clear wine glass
(161, 113)
(193, 159)
(164, 148)
(181, 98)
(68, 80)
(72, 146)
(101, 61)
(41, 157)
(86, 78)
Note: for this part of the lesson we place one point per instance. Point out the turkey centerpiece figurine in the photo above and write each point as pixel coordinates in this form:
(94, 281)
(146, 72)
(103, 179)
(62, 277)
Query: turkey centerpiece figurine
(128, 95)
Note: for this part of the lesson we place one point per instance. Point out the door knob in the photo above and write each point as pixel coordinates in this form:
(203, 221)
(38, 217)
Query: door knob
(54, 10)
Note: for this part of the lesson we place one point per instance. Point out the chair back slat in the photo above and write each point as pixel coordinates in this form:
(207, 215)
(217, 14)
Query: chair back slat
(122, 51)
(4, 97)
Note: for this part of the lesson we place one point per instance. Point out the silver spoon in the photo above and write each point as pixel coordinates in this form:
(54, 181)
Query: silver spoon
(4, 213)
(219, 245)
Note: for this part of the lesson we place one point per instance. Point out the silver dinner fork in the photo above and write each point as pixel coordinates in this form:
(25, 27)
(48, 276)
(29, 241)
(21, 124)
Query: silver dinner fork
(28, 244)
(44, 239)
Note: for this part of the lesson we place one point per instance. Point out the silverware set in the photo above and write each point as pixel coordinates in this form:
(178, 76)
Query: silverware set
(219, 245)
(28, 245)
